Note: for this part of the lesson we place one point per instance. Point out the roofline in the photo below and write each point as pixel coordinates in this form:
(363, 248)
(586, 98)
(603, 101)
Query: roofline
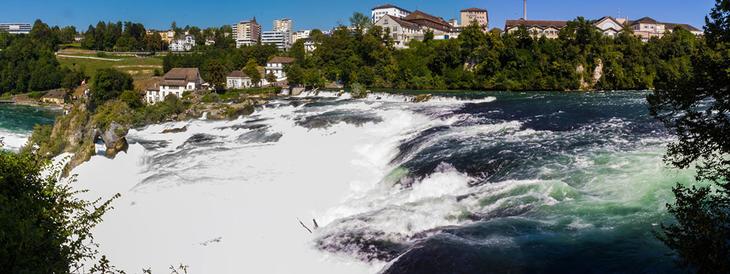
(391, 6)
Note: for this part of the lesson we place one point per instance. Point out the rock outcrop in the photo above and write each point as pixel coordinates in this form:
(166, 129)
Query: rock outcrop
(422, 98)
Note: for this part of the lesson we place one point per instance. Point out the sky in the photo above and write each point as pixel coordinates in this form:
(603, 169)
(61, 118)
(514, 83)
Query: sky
(325, 14)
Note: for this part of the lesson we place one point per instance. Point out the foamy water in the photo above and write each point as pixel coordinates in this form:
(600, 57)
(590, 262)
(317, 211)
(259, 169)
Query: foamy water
(228, 196)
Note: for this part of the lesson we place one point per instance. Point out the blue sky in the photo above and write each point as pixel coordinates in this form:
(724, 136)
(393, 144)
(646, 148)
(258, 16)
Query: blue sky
(324, 14)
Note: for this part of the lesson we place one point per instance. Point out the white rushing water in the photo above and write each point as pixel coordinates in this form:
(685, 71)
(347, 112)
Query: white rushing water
(231, 202)
(13, 141)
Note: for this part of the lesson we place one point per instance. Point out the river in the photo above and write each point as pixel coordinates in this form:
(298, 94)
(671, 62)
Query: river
(465, 183)
(17, 122)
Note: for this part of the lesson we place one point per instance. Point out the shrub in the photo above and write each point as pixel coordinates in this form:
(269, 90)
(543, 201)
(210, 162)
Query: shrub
(45, 227)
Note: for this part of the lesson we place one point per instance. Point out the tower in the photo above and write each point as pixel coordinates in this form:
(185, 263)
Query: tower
(524, 9)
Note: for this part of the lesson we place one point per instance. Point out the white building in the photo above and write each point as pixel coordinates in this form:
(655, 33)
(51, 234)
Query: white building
(537, 28)
(281, 39)
(176, 82)
(276, 66)
(246, 33)
(309, 46)
(610, 26)
(402, 31)
(16, 28)
(238, 80)
(388, 9)
(302, 34)
(184, 44)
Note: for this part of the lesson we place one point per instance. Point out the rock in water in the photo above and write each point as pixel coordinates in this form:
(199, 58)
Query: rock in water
(175, 130)
(114, 139)
(422, 98)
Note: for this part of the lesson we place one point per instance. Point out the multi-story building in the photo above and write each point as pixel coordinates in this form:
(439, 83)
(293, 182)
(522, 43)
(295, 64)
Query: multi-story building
(283, 25)
(167, 36)
(610, 26)
(537, 28)
(281, 39)
(441, 29)
(175, 82)
(480, 16)
(276, 66)
(16, 28)
(401, 30)
(247, 33)
(302, 34)
(388, 9)
(183, 44)
(647, 28)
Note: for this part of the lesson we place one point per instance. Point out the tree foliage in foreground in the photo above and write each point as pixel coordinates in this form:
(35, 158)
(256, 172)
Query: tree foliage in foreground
(692, 98)
(44, 227)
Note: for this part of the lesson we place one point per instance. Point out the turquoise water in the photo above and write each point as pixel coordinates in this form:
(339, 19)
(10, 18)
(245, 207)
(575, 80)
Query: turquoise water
(17, 122)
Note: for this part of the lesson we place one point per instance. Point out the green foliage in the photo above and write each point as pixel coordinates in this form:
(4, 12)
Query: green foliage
(215, 71)
(360, 21)
(108, 84)
(251, 69)
(45, 227)
(27, 64)
(160, 112)
(115, 111)
(121, 36)
(691, 98)
(359, 91)
(132, 98)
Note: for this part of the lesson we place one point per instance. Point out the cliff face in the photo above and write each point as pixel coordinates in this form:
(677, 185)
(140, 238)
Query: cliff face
(595, 76)
(78, 131)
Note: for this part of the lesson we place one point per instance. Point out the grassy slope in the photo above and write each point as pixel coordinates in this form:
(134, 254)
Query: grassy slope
(139, 68)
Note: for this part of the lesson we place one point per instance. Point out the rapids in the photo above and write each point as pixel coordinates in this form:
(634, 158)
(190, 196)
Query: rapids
(465, 183)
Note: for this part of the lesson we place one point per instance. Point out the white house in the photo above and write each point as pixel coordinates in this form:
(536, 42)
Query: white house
(402, 31)
(388, 9)
(238, 80)
(610, 26)
(176, 82)
(185, 44)
(276, 66)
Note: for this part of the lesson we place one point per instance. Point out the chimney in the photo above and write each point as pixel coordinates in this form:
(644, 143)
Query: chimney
(524, 9)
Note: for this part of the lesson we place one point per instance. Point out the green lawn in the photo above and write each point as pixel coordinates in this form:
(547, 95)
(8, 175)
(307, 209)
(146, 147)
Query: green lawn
(138, 67)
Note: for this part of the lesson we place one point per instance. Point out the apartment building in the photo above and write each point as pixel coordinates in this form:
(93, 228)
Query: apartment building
(388, 9)
(246, 33)
(16, 28)
(480, 16)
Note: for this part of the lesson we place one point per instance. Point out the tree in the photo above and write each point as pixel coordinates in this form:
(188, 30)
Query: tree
(270, 77)
(360, 21)
(215, 72)
(252, 70)
(132, 98)
(108, 84)
(693, 102)
(45, 227)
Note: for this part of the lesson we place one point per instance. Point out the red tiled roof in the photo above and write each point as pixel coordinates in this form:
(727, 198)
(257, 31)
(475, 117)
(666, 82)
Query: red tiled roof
(427, 20)
(536, 23)
(237, 74)
(402, 22)
(281, 60)
(180, 76)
